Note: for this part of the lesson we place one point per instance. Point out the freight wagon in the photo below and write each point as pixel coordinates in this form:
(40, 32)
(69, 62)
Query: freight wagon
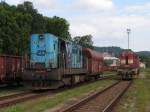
(129, 65)
(11, 68)
(55, 62)
(94, 62)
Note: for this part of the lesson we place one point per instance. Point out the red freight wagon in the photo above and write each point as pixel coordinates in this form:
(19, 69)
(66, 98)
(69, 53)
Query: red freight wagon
(11, 68)
(129, 64)
(94, 62)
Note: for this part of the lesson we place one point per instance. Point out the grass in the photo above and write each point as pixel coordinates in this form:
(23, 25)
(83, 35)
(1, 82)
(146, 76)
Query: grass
(42, 104)
(146, 72)
(110, 73)
(137, 99)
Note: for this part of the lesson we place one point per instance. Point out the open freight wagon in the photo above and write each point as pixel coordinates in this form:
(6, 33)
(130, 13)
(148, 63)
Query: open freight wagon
(11, 68)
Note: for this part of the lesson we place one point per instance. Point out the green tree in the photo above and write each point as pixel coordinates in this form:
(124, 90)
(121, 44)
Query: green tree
(14, 31)
(17, 23)
(85, 41)
(59, 27)
(8, 31)
(38, 24)
(24, 22)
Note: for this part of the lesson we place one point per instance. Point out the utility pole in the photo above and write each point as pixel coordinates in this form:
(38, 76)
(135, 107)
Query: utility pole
(128, 32)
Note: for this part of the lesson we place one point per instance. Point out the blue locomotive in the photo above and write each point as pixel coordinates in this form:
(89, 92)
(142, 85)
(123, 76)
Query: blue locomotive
(55, 62)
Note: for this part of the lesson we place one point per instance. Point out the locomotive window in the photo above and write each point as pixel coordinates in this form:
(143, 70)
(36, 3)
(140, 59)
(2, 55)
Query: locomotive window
(54, 46)
(80, 53)
(34, 42)
(79, 56)
(74, 51)
(127, 60)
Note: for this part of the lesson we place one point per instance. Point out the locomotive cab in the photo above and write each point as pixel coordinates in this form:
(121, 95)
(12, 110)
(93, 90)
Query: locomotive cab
(43, 52)
(129, 64)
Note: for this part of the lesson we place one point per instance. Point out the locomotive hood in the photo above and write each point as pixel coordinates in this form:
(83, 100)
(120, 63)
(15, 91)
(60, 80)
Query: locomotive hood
(43, 51)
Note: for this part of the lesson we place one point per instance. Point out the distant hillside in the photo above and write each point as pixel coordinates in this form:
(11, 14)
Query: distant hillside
(112, 50)
(117, 50)
(143, 53)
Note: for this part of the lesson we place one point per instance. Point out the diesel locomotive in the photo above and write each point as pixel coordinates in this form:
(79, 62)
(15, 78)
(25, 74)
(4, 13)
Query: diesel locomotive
(129, 64)
(55, 62)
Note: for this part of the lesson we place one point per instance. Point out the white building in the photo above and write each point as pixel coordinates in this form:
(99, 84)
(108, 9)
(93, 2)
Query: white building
(112, 61)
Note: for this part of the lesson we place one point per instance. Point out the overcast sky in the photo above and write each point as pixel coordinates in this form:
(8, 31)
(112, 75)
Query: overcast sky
(106, 20)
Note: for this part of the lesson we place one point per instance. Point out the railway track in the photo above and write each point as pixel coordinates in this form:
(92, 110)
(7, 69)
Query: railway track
(17, 98)
(10, 100)
(102, 101)
(14, 95)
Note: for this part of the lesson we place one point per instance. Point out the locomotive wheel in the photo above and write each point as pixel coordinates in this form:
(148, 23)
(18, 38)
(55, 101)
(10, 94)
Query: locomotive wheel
(72, 80)
(96, 77)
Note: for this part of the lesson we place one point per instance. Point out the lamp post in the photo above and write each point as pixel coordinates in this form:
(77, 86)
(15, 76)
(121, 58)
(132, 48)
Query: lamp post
(128, 32)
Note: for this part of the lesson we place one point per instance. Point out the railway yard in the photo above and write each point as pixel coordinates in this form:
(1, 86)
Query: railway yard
(74, 81)
(104, 95)
(72, 56)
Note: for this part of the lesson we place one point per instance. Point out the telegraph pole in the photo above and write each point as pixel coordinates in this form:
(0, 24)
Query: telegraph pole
(128, 32)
